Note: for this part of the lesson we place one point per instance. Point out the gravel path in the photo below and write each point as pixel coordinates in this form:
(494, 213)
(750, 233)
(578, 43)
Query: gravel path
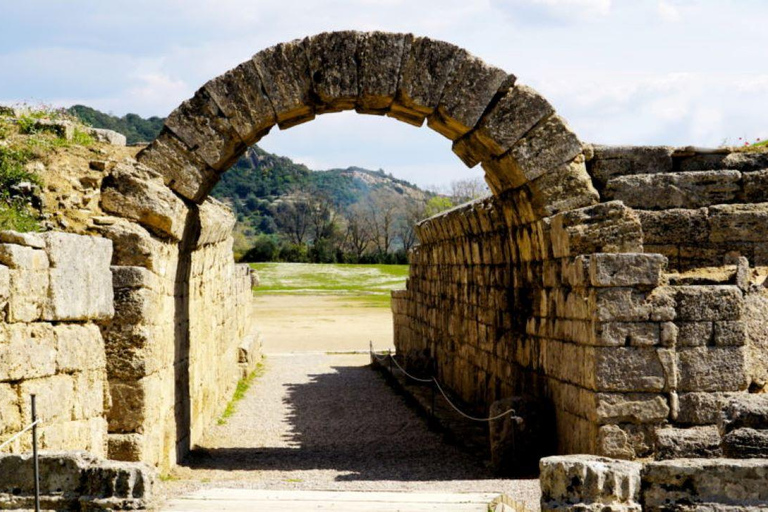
(329, 422)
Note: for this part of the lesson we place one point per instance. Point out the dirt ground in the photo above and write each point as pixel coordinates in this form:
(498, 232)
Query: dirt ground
(322, 323)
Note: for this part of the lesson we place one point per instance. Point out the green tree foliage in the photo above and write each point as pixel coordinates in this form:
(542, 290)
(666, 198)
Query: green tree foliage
(135, 128)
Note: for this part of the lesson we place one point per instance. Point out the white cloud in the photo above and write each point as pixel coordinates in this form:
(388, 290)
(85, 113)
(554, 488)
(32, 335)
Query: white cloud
(556, 10)
(668, 11)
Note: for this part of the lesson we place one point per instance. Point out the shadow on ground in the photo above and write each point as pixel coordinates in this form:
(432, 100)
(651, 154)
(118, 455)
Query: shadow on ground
(350, 421)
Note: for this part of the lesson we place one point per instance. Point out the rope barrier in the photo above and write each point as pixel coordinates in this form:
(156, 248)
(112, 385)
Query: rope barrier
(439, 388)
(16, 436)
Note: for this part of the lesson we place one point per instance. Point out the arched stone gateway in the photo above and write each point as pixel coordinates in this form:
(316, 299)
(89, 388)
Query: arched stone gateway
(578, 283)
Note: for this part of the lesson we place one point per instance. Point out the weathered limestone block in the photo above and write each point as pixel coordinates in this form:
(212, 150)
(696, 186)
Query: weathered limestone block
(239, 95)
(201, 125)
(21, 257)
(632, 305)
(636, 334)
(677, 443)
(516, 113)
(547, 146)
(27, 294)
(10, 414)
(424, 73)
(33, 240)
(675, 190)
(139, 401)
(284, 72)
(108, 136)
(746, 443)
(92, 396)
(738, 222)
(629, 369)
(182, 170)
(134, 277)
(55, 398)
(626, 269)
(566, 188)
(695, 334)
(379, 56)
(80, 278)
(27, 351)
(78, 348)
(606, 227)
(707, 303)
(755, 186)
(701, 408)
(724, 160)
(519, 439)
(136, 192)
(472, 86)
(701, 484)
(134, 246)
(712, 369)
(216, 222)
(333, 68)
(611, 161)
(674, 226)
(60, 128)
(589, 483)
(631, 408)
(75, 481)
(744, 411)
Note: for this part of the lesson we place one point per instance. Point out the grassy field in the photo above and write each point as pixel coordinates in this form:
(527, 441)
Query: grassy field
(368, 284)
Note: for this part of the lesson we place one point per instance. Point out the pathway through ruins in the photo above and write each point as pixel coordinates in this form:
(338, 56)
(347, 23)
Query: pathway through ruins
(317, 421)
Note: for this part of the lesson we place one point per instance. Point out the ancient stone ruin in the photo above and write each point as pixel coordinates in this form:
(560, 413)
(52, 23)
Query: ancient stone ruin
(621, 288)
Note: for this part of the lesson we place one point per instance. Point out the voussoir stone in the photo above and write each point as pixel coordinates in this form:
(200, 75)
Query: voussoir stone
(284, 72)
(379, 55)
(240, 96)
(423, 75)
(516, 112)
(333, 68)
(182, 170)
(467, 95)
(201, 125)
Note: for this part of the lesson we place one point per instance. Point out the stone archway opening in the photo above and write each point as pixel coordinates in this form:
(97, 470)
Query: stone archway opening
(558, 287)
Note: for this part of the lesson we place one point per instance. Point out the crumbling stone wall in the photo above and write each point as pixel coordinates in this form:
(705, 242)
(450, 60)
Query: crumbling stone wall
(55, 291)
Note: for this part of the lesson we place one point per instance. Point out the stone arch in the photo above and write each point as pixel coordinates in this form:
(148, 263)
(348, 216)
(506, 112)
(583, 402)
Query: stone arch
(506, 284)
(511, 130)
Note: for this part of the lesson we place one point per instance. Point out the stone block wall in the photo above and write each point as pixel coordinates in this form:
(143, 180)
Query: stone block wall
(181, 314)
(696, 206)
(55, 291)
(220, 319)
(634, 347)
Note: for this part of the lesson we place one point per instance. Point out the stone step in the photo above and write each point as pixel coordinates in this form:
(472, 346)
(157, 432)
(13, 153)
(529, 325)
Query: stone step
(347, 501)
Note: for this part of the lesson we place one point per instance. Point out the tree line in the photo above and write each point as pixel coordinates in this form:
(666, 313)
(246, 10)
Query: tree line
(313, 226)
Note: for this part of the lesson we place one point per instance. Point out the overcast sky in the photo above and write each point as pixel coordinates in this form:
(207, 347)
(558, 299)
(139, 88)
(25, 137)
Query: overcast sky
(672, 72)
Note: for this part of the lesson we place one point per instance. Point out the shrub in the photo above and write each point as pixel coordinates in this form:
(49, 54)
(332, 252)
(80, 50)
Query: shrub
(265, 248)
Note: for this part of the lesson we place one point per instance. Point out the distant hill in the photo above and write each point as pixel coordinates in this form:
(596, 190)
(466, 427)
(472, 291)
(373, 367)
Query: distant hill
(268, 191)
(135, 128)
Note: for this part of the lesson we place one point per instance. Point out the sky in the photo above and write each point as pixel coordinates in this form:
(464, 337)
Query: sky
(671, 72)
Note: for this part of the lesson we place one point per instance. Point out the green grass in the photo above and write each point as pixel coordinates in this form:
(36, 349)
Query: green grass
(242, 388)
(368, 285)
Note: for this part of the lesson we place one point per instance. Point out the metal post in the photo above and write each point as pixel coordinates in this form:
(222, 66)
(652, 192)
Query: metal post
(370, 349)
(34, 454)
(391, 373)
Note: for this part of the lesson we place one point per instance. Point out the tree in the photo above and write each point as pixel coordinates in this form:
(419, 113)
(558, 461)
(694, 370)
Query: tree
(411, 215)
(357, 237)
(469, 189)
(437, 204)
(294, 219)
(382, 208)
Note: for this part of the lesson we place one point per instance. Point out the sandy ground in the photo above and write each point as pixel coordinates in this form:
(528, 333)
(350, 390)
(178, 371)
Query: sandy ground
(325, 323)
(319, 420)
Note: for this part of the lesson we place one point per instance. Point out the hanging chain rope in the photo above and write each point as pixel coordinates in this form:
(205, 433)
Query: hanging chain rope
(439, 388)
